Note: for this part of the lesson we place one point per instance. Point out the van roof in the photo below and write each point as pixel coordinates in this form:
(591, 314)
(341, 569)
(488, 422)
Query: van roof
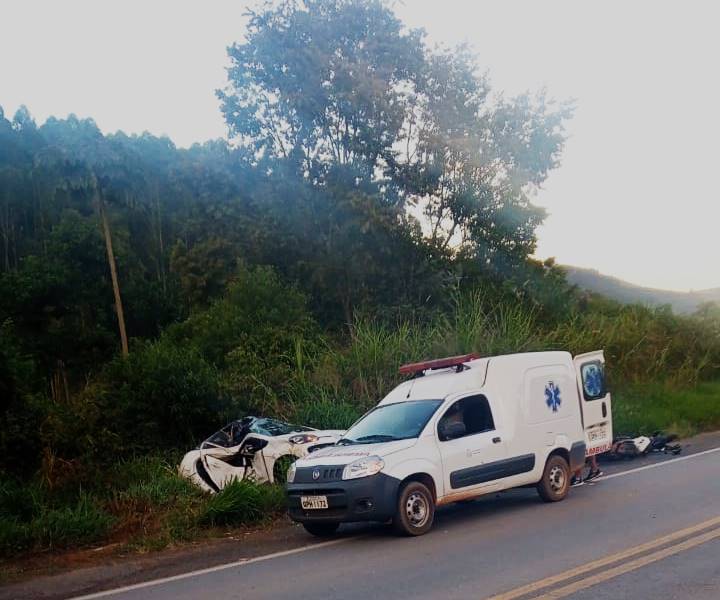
(440, 383)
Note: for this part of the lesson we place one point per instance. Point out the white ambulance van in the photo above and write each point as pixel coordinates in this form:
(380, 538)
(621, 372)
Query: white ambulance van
(458, 428)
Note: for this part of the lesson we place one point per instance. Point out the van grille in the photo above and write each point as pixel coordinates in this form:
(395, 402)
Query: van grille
(326, 473)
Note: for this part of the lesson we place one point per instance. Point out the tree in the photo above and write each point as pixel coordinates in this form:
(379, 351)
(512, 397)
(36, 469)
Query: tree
(469, 160)
(341, 92)
(319, 83)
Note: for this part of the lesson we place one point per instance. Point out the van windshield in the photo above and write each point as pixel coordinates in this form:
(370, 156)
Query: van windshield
(390, 422)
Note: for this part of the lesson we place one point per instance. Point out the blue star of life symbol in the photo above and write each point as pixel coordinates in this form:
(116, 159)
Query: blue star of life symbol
(552, 396)
(593, 380)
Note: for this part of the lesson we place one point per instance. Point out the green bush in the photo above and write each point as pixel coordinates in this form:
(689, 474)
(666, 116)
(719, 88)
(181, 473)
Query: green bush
(258, 314)
(15, 537)
(20, 502)
(21, 408)
(251, 335)
(243, 502)
(162, 396)
(153, 482)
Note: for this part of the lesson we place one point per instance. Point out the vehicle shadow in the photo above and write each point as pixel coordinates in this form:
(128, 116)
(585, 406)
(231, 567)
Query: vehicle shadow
(458, 513)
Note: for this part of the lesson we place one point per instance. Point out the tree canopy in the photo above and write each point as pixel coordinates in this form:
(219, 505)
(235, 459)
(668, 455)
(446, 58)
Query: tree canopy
(341, 91)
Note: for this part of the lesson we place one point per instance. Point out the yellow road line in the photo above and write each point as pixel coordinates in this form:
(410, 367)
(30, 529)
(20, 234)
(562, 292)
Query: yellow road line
(631, 566)
(602, 562)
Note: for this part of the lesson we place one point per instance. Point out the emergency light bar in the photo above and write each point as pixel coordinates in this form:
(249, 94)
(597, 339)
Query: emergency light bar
(438, 363)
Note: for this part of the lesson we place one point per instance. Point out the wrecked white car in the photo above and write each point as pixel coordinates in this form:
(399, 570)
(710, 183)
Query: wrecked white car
(258, 448)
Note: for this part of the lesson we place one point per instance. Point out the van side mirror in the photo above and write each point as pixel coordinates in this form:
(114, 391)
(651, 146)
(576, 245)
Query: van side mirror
(451, 431)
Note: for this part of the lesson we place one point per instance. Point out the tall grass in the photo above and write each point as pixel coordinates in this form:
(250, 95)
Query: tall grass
(643, 344)
(41, 524)
(69, 526)
(640, 344)
(243, 502)
(644, 408)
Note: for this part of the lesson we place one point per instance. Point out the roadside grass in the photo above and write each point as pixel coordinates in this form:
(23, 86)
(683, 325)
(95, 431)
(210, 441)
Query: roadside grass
(243, 502)
(141, 504)
(648, 407)
(84, 523)
(40, 524)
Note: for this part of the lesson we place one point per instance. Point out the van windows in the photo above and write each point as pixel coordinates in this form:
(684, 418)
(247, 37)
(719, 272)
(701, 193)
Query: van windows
(390, 422)
(593, 380)
(472, 412)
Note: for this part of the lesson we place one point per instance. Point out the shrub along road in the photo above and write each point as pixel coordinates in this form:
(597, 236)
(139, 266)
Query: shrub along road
(651, 526)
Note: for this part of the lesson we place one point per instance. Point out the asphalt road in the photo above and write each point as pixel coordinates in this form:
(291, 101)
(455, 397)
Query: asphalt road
(601, 542)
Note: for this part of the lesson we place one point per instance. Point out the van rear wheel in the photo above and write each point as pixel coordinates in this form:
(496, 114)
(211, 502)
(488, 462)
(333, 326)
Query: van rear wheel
(415, 509)
(555, 481)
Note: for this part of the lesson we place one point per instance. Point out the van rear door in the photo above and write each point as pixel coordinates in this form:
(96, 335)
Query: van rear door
(595, 402)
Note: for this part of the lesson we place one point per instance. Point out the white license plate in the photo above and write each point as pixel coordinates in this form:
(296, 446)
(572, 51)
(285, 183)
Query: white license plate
(597, 433)
(313, 502)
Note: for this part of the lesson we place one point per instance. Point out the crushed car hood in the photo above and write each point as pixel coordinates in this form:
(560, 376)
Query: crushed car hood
(342, 455)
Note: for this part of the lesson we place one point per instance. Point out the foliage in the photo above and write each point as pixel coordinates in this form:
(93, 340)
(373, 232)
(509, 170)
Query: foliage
(368, 99)
(647, 407)
(150, 481)
(163, 395)
(20, 409)
(15, 537)
(243, 502)
(71, 526)
(31, 518)
(251, 334)
(643, 344)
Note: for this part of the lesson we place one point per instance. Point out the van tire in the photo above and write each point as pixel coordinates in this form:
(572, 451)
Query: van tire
(321, 529)
(555, 481)
(415, 509)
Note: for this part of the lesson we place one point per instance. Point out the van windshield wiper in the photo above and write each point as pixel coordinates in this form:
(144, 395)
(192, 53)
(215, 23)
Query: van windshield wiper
(377, 437)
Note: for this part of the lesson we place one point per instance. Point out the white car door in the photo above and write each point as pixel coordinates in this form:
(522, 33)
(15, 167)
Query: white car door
(471, 447)
(595, 402)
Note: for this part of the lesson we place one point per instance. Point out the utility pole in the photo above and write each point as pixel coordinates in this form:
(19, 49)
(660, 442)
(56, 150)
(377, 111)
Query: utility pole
(113, 269)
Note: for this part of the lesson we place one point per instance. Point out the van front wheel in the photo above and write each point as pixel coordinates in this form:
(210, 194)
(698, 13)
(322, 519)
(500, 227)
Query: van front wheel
(415, 509)
(555, 481)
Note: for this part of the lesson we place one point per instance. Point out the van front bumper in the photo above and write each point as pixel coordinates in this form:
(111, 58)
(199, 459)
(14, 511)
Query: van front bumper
(372, 498)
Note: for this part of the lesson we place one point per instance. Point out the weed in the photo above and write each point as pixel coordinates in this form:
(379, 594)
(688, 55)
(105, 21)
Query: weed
(15, 537)
(242, 502)
(648, 407)
(83, 523)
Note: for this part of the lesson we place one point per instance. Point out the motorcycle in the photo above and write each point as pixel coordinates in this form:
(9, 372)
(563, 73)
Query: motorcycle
(631, 447)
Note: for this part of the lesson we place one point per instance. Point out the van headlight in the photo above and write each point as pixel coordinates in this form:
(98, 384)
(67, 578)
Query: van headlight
(363, 467)
(290, 474)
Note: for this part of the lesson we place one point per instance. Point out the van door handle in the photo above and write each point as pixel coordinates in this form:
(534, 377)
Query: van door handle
(496, 440)
(604, 410)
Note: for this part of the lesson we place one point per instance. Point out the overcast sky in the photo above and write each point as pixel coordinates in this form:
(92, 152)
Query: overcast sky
(636, 195)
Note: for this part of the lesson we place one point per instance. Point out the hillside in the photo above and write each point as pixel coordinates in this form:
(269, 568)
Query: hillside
(681, 302)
